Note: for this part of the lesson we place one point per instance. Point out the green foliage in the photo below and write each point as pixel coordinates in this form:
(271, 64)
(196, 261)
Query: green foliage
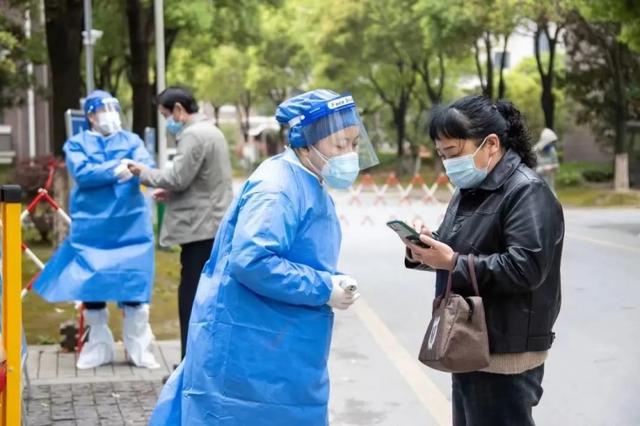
(569, 178)
(524, 89)
(598, 175)
(398, 57)
(226, 80)
(15, 52)
(111, 59)
(590, 172)
(280, 63)
(603, 78)
(624, 13)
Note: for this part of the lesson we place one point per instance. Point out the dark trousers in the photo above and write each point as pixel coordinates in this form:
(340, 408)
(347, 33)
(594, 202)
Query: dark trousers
(487, 399)
(192, 259)
(102, 305)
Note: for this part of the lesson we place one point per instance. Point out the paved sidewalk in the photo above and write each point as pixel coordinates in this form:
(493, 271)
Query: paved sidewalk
(46, 365)
(117, 394)
(93, 404)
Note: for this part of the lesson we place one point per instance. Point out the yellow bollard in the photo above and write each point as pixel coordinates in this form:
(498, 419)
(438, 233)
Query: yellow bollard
(11, 409)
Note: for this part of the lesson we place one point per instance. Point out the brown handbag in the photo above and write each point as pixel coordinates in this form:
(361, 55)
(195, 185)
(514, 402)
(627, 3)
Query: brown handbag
(456, 340)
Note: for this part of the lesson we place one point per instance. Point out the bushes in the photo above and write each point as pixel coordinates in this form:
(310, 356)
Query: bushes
(597, 175)
(575, 174)
(569, 178)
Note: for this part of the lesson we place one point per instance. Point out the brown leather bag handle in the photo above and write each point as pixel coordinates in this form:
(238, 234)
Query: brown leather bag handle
(472, 273)
(447, 292)
(471, 264)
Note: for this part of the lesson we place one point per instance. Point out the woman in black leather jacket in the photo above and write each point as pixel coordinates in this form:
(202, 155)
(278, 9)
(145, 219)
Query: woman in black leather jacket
(506, 215)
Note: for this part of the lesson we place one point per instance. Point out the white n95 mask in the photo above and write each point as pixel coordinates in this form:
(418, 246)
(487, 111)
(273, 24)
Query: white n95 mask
(108, 122)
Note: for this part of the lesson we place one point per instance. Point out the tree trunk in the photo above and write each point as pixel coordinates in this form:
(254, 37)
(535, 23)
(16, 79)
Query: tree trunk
(247, 124)
(621, 178)
(400, 124)
(216, 115)
(434, 94)
(139, 77)
(476, 50)
(548, 102)
(489, 84)
(502, 88)
(244, 109)
(547, 99)
(64, 22)
(170, 36)
(274, 146)
(620, 111)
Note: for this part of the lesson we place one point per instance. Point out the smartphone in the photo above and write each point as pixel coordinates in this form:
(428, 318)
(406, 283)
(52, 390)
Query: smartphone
(406, 232)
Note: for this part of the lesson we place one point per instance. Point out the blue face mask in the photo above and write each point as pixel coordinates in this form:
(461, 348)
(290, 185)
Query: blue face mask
(462, 171)
(340, 171)
(174, 127)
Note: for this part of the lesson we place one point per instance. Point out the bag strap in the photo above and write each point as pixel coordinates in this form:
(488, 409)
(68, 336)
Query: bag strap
(447, 292)
(472, 273)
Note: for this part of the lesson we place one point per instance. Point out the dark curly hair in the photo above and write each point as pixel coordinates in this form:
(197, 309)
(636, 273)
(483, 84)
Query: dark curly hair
(475, 117)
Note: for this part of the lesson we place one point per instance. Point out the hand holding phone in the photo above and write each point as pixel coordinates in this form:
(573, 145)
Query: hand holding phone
(406, 232)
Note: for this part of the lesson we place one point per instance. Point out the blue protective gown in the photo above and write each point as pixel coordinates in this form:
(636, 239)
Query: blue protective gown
(260, 328)
(109, 253)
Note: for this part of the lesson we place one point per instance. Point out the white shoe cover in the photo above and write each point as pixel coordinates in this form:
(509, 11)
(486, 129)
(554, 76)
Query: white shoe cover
(137, 336)
(99, 349)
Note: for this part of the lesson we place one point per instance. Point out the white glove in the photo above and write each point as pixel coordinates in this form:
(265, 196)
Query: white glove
(344, 292)
(122, 172)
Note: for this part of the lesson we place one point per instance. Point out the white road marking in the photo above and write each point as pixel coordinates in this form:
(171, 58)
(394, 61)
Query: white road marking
(603, 243)
(433, 400)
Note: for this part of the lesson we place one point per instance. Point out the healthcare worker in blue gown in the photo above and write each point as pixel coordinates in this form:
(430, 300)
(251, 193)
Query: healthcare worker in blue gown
(109, 253)
(262, 319)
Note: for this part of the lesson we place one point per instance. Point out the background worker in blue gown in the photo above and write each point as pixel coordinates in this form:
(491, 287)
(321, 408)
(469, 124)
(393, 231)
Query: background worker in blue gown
(109, 253)
(261, 323)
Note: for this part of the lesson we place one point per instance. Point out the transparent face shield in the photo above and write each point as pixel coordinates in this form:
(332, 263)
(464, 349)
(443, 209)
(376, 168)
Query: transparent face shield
(107, 116)
(341, 132)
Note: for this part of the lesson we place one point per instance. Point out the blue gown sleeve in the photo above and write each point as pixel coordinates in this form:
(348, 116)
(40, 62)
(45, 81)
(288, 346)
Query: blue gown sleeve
(266, 228)
(86, 173)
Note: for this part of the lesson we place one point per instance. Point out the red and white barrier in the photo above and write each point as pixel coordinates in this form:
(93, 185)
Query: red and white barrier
(371, 200)
(43, 195)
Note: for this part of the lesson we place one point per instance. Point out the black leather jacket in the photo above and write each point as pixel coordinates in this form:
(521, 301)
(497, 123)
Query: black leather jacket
(514, 225)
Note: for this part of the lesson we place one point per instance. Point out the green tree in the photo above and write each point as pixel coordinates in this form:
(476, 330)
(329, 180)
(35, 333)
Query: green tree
(490, 23)
(218, 77)
(279, 63)
(443, 26)
(625, 13)
(226, 83)
(15, 52)
(604, 78)
(523, 86)
(549, 19)
(373, 46)
(64, 26)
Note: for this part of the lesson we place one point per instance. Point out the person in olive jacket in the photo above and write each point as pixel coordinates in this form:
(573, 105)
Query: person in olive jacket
(504, 214)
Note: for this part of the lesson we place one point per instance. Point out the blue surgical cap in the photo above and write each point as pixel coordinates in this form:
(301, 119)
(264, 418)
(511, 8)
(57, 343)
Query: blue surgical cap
(94, 100)
(304, 103)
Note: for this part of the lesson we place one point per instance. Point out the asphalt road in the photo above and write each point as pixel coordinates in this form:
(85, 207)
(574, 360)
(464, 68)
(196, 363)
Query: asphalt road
(592, 376)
